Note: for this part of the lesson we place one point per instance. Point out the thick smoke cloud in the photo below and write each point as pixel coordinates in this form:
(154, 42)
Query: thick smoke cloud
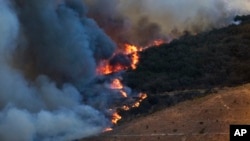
(48, 55)
(54, 30)
(49, 50)
(142, 21)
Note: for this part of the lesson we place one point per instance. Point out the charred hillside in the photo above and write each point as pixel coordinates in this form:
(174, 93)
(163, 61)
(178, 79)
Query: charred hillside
(217, 58)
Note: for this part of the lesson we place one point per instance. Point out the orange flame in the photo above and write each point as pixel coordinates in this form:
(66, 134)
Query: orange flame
(105, 68)
(125, 108)
(129, 49)
(124, 94)
(108, 129)
(133, 51)
(158, 42)
(116, 84)
(143, 96)
(136, 104)
(115, 118)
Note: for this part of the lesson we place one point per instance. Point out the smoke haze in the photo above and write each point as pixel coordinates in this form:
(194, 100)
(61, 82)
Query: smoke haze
(49, 51)
(142, 21)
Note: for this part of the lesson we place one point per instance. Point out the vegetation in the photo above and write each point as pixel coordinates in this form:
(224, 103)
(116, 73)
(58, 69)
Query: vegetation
(217, 58)
(191, 67)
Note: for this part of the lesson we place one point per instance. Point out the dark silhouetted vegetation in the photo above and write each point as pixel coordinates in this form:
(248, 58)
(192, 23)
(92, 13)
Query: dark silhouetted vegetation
(191, 67)
(217, 58)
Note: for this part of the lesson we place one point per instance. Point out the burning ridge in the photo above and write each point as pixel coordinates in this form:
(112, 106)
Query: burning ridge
(57, 65)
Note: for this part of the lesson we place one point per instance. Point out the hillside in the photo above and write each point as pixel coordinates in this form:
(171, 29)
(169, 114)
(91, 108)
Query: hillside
(217, 58)
(207, 119)
(191, 67)
(204, 71)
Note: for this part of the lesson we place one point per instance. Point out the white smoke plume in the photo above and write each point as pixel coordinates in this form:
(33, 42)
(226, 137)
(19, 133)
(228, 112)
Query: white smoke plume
(142, 21)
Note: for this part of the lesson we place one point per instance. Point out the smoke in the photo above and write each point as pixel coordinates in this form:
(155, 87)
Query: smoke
(142, 21)
(48, 55)
(64, 28)
(49, 51)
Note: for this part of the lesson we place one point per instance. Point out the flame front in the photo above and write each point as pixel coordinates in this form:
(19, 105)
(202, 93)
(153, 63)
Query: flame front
(115, 118)
(158, 42)
(116, 84)
(105, 68)
(133, 51)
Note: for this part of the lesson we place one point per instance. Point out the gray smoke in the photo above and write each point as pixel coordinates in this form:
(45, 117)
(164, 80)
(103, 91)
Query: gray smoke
(54, 30)
(142, 21)
(49, 50)
(48, 55)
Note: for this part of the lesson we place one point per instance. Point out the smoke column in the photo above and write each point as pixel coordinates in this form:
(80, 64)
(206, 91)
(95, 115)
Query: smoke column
(49, 50)
(141, 21)
(48, 55)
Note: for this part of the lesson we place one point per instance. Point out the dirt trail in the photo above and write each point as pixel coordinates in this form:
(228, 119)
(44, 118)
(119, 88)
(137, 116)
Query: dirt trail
(203, 119)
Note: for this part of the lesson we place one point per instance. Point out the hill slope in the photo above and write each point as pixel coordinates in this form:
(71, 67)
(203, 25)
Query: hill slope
(187, 68)
(207, 119)
(191, 67)
(217, 58)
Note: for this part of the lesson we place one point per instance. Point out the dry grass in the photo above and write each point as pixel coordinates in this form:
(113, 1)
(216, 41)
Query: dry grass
(207, 119)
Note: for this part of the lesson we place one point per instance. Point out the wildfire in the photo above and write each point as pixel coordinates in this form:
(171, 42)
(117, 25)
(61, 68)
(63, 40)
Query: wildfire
(158, 42)
(133, 51)
(105, 68)
(108, 129)
(116, 84)
(125, 108)
(142, 96)
(124, 94)
(115, 118)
